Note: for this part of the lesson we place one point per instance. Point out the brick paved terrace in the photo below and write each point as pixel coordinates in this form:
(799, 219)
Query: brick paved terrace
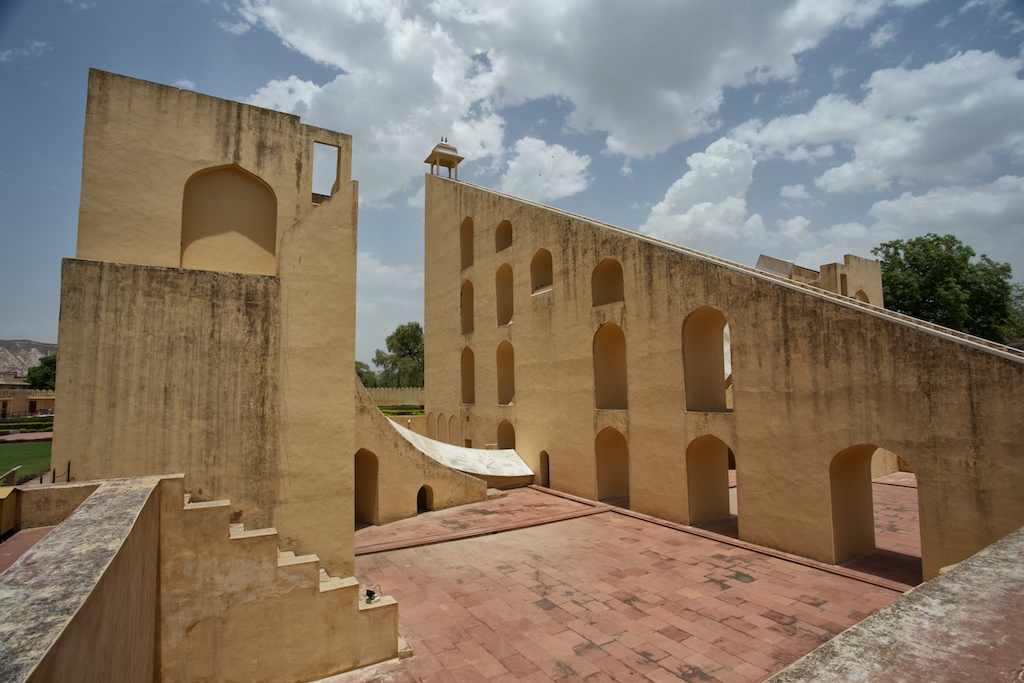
(539, 587)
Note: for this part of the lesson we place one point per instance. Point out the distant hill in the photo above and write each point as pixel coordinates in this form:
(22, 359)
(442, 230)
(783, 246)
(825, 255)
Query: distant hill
(21, 354)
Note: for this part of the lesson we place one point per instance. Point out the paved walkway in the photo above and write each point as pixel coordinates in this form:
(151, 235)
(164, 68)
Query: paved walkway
(578, 591)
(28, 436)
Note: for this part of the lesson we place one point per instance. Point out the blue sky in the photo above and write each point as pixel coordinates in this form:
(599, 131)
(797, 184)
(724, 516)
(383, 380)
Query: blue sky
(803, 129)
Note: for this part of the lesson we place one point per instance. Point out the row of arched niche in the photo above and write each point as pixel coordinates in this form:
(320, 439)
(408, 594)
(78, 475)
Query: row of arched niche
(449, 430)
(706, 366)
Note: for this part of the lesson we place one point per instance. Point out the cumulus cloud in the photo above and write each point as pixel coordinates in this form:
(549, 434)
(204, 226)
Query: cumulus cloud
(794, 192)
(291, 95)
(184, 84)
(544, 172)
(706, 208)
(943, 122)
(415, 71)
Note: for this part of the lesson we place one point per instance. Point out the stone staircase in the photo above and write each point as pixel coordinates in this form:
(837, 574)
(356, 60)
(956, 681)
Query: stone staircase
(235, 606)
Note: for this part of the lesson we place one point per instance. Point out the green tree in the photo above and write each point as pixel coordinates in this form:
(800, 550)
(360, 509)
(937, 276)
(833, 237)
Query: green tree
(44, 375)
(367, 376)
(936, 278)
(402, 365)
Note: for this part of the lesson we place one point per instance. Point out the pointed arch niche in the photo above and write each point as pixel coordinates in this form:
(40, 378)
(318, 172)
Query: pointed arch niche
(606, 283)
(610, 368)
(466, 241)
(505, 361)
(365, 487)
(467, 307)
(541, 275)
(707, 480)
(229, 222)
(502, 236)
(506, 435)
(612, 454)
(503, 293)
(706, 372)
(468, 376)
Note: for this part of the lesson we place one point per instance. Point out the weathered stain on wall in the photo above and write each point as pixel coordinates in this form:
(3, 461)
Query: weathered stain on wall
(207, 408)
(812, 374)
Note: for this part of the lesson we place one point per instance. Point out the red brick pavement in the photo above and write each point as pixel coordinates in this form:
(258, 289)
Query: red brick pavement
(603, 597)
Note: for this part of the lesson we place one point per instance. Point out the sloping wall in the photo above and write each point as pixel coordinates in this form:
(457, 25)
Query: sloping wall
(811, 376)
(390, 471)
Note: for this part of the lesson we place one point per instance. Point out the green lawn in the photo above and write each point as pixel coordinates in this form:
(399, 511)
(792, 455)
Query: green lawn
(33, 456)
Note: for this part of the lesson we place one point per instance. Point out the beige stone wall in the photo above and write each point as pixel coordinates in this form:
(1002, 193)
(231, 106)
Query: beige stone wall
(165, 370)
(144, 142)
(390, 472)
(26, 401)
(856, 277)
(317, 354)
(396, 396)
(812, 376)
(415, 423)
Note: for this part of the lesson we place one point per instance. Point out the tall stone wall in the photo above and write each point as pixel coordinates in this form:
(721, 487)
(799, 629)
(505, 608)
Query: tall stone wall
(166, 370)
(811, 375)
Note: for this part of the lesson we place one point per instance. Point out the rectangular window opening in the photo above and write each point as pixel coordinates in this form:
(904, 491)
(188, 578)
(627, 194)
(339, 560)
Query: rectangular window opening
(325, 170)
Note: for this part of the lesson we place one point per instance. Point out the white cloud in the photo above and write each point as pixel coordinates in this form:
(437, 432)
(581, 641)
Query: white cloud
(986, 216)
(883, 35)
(184, 84)
(374, 272)
(706, 208)
(33, 48)
(543, 172)
(291, 95)
(943, 122)
(234, 27)
(794, 192)
(413, 72)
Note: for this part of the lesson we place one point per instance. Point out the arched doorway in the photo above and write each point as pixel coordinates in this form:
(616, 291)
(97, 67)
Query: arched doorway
(466, 241)
(875, 522)
(424, 499)
(365, 488)
(606, 283)
(612, 454)
(506, 435)
(545, 469)
(711, 501)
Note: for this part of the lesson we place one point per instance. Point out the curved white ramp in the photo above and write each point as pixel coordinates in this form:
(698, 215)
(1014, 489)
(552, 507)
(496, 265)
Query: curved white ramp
(484, 462)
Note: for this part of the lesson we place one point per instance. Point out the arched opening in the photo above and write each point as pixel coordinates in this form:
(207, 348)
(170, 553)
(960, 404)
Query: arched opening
(467, 307)
(503, 236)
(545, 469)
(466, 240)
(710, 498)
(875, 523)
(503, 293)
(442, 428)
(365, 488)
(606, 282)
(705, 371)
(505, 361)
(431, 426)
(454, 430)
(506, 435)
(541, 275)
(229, 222)
(468, 376)
(424, 499)
(610, 368)
(612, 455)
(861, 296)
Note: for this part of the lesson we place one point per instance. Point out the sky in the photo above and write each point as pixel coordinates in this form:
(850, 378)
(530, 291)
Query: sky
(802, 129)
